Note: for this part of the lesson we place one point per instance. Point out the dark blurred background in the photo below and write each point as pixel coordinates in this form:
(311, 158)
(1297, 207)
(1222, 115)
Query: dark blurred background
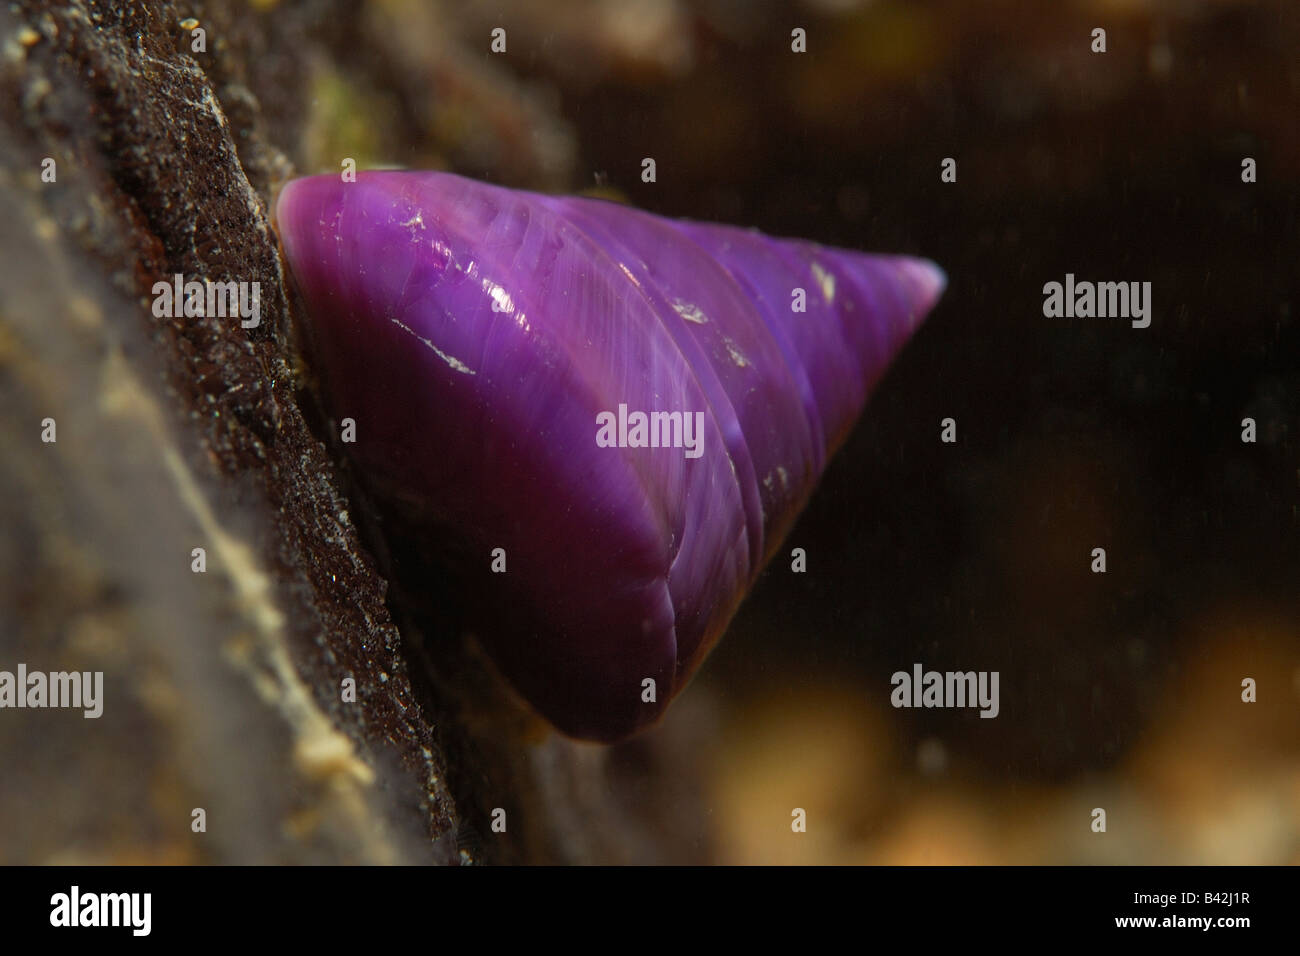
(1119, 690)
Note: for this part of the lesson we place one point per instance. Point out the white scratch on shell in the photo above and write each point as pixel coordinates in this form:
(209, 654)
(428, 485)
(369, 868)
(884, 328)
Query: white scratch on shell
(628, 272)
(689, 311)
(737, 356)
(455, 363)
(414, 223)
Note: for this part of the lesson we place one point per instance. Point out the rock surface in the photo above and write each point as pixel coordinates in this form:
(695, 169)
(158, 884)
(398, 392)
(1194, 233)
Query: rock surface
(223, 690)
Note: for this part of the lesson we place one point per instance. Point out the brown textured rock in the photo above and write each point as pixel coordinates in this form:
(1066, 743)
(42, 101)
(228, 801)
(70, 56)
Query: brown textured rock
(177, 433)
(222, 689)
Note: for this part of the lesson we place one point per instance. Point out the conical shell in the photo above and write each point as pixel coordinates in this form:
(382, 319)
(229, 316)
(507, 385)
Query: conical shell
(484, 339)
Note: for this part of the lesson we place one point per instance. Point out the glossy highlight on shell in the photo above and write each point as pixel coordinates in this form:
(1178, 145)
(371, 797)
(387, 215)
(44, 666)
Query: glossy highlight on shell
(494, 347)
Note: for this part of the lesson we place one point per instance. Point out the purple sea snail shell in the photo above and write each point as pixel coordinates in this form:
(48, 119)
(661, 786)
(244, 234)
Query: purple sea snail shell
(633, 408)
